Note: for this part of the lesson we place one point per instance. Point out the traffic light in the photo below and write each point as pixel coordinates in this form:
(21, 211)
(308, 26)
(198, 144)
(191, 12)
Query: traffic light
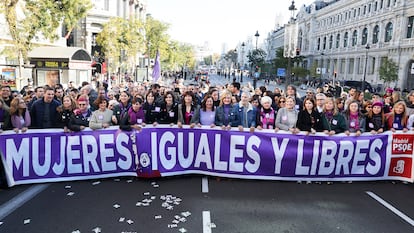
(297, 52)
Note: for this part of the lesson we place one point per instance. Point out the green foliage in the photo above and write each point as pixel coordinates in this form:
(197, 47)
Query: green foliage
(388, 71)
(40, 17)
(256, 57)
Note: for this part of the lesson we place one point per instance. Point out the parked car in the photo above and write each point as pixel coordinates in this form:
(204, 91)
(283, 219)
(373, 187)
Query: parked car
(358, 85)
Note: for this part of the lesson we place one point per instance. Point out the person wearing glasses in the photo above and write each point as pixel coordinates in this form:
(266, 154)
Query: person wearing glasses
(80, 118)
(20, 116)
(320, 102)
(309, 94)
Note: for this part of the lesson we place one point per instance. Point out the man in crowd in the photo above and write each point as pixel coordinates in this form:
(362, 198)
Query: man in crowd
(6, 94)
(39, 92)
(44, 111)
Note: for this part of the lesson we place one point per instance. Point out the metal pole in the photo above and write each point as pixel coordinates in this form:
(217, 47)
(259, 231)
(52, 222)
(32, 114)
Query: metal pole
(365, 68)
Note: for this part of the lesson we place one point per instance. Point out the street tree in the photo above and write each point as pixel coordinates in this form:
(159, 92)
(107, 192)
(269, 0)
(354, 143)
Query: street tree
(388, 71)
(29, 21)
(256, 57)
(121, 40)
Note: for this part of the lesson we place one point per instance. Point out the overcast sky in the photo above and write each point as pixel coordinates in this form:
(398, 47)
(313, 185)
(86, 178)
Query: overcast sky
(221, 21)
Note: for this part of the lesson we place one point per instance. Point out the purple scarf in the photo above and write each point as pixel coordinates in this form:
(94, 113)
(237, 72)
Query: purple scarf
(134, 116)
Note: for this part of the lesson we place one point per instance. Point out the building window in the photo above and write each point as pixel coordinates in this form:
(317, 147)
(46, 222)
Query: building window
(324, 43)
(388, 3)
(388, 32)
(410, 27)
(354, 38)
(319, 43)
(330, 41)
(346, 39)
(351, 66)
(338, 40)
(364, 36)
(381, 4)
(375, 34)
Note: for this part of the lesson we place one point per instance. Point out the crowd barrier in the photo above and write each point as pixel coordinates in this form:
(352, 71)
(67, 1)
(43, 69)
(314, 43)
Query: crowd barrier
(163, 150)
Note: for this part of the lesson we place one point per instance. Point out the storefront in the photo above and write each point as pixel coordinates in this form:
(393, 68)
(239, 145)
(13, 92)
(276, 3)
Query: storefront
(54, 65)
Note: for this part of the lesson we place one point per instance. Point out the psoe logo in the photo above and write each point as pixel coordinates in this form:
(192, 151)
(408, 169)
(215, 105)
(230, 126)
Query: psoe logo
(402, 144)
(400, 166)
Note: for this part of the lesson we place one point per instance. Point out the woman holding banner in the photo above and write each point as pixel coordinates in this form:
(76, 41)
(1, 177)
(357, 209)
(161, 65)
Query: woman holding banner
(79, 120)
(309, 119)
(287, 117)
(266, 115)
(135, 117)
(355, 120)
(245, 113)
(397, 119)
(20, 116)
(333, 121)
(207, 111)
(223, 116)
(101, 118)
(169, 109)
(188, 110)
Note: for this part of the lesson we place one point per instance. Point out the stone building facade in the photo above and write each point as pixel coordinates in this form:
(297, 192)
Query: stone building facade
(342, 36)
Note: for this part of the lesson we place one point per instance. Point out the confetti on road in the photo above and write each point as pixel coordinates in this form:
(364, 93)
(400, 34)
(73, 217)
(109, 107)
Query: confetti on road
(70, 193)
(182, 230)
(96, 183)
(76, 231)
(172, 225)
(97, 230)
(116, 206)
(157, 216)
(186, 213)
(129, 181)
(26, 221)
(117, 180)
(1, 223)
(129, 221)
(121, 219)
(68, 187)
(147, 193)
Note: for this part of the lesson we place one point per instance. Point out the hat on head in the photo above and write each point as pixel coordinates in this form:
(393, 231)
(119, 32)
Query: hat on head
(377, 103)
(389, 90)
(83, 98)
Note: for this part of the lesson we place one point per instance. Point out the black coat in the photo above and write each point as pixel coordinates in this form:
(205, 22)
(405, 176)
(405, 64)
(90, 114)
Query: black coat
(307, 121)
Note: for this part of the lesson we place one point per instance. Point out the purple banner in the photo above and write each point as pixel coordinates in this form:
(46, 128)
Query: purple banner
(52, 155)
(264, 155)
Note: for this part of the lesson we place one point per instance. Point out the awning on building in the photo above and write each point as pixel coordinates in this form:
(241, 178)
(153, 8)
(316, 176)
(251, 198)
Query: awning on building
(60, 58)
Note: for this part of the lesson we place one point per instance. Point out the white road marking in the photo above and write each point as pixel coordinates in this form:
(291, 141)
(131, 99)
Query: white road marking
(392, 208)
(10, 206)
(206, 222)
(204, 185)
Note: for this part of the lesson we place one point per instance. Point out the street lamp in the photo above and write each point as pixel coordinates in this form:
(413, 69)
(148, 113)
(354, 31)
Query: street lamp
(257, 37)
(148, 59)
(365, 69)
(242, 61)
(256, 73)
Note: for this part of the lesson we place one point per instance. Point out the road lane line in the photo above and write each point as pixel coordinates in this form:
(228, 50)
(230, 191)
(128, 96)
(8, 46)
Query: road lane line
(204, 185)
(10, 206)
(392, 208)
(206, 222)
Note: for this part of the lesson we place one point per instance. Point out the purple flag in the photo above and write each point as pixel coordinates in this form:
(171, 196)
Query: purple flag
(156, 72)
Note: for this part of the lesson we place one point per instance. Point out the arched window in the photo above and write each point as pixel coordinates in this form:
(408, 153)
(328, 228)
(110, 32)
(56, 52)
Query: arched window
(354, 38)
(324, 43)
(364, 36)
(388, 32)
(375, 34)
(346, 39)
(338, 40)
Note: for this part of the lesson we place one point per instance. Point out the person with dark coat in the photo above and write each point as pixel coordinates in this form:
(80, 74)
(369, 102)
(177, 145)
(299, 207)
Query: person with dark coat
(135, 117)
(79, 120)
(169, 109)
(44, 112)
(309, 119)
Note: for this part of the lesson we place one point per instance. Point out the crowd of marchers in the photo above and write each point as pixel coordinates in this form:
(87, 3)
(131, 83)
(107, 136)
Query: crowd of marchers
(133, 105)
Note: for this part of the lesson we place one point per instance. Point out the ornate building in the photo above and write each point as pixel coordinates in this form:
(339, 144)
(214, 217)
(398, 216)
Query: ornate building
(351, 38)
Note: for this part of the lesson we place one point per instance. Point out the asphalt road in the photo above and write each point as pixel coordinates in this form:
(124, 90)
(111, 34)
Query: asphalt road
(232, 205)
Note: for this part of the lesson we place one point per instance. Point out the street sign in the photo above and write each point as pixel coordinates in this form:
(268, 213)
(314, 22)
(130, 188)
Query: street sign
(318, 70)
(281, 72)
